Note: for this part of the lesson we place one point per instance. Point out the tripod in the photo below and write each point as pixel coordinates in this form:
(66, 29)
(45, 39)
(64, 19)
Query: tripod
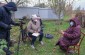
(21, 34)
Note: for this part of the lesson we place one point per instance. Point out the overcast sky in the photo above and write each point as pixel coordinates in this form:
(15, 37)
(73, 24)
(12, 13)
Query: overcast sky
(80, 3)
(75, 5)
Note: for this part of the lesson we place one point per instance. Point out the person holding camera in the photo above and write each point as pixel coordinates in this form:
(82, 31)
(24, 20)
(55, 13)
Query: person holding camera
(6, 22)
(34, 30)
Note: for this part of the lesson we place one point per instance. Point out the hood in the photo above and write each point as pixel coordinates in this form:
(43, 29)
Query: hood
(11, 6)
(76, 21)
(34, 16)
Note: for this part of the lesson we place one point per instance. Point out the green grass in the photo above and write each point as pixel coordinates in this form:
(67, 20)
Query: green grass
(47, 49)
(66, 17)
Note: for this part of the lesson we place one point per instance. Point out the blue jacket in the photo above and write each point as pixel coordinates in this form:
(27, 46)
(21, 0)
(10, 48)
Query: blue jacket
(5, 15)
(5, 19)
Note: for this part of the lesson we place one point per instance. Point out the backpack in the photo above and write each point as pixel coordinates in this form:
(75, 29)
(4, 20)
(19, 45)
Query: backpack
(48, 36)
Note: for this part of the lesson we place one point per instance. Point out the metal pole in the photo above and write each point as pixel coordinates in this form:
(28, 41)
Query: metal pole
(19, 39)
(21, 35)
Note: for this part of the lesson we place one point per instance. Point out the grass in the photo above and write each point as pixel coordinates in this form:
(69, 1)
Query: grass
(47, 49)
(66, 17)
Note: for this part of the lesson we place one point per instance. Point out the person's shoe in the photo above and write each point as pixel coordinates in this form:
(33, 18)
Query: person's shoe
(8, 52)
(41, 42)
(57, 43)
(33, 46)
(71, 51)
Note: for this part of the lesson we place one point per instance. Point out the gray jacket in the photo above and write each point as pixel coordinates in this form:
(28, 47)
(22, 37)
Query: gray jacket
(31, 27)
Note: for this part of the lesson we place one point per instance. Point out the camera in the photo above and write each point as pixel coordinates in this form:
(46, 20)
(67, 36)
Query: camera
(21, 21)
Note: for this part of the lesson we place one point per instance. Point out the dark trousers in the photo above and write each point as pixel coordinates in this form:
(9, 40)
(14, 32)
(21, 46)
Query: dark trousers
(5, 35)
(8, 39)
(63, 47)
(34, 37)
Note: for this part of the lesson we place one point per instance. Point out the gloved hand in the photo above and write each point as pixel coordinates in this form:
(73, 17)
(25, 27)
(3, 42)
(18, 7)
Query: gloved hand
(9, 27)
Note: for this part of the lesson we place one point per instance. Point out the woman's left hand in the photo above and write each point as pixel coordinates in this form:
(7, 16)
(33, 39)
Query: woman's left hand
(62, 32)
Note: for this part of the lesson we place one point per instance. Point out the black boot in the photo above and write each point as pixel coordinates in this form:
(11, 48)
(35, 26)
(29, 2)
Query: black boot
(7, 51)
(57, 43)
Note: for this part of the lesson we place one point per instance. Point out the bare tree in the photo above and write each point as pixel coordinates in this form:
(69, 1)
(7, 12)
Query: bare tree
(58, 7)
(41, 5)
(19, 2)
(69, 7)
(61, 6)
(78, 9)
(6, 1)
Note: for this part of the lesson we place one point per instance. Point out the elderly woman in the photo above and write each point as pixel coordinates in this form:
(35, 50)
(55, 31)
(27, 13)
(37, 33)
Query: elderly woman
(71, 36)
(34, 27)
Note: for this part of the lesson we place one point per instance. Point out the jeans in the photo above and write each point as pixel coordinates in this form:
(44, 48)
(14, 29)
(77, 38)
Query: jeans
(34, 37)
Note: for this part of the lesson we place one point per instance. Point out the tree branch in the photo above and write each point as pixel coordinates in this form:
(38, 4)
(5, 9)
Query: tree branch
(11, 0)
(20, 3)
(17, 1)
(6, 1)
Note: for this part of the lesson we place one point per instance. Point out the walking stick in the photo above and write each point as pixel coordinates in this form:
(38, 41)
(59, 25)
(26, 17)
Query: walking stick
(21, 35)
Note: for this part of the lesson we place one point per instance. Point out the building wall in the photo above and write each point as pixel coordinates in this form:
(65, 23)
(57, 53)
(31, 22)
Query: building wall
(45, 13)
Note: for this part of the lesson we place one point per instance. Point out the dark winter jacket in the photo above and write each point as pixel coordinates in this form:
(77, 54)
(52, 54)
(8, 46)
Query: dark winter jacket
(5, 19)
(72, 34)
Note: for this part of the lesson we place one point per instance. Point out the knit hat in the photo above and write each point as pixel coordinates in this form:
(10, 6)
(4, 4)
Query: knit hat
(34, 16)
